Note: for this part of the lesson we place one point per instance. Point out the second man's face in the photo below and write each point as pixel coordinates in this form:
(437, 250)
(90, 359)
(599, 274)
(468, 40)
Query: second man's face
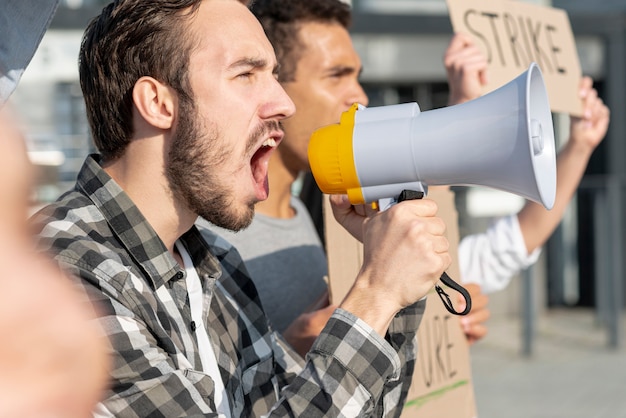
(326, 84)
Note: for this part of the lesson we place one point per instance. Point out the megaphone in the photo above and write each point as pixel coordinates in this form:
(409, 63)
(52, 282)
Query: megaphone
(503, 140)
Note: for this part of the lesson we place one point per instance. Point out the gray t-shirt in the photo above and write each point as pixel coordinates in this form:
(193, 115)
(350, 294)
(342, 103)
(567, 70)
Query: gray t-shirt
(285, 259)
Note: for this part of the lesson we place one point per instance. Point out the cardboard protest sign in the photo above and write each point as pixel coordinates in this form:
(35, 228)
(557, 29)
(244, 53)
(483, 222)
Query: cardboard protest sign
(442, 382)
(513, 34)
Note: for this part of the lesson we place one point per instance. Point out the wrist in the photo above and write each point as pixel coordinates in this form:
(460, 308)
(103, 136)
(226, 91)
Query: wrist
(371, 306)
(580, 149)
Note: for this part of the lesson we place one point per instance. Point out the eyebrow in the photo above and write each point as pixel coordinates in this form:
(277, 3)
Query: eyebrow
(255, 63)
(343, 70)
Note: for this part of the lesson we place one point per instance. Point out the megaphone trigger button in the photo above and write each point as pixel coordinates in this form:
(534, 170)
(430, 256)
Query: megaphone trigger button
(410, 195)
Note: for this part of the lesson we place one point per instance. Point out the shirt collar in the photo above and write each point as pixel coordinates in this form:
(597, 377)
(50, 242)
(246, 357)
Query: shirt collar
(127, 223)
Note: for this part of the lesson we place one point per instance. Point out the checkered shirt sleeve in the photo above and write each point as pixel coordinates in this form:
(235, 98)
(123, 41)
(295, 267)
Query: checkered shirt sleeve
(138, 292)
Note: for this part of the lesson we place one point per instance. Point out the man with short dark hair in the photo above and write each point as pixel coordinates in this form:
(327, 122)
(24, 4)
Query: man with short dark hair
(185, 109)
(319, 69)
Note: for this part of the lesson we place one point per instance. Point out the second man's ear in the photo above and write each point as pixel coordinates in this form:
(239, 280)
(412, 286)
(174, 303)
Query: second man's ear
(155, 102)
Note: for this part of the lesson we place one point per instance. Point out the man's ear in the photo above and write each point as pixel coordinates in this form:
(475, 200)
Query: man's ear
(155, 102)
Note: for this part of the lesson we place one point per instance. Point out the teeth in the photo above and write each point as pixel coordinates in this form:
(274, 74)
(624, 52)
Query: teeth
(269, 142)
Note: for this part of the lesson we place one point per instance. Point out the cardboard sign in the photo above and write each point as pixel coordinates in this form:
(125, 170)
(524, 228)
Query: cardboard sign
(513, 34)
(442, 383)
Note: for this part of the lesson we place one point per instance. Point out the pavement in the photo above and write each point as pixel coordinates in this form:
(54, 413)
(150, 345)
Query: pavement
(571, 372)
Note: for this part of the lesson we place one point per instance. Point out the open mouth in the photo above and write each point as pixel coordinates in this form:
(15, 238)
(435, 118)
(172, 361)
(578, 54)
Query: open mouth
(260, 162)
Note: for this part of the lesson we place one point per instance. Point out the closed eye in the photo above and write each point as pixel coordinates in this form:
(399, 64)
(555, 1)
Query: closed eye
(246, 68)
(245, 75)
(342, 72)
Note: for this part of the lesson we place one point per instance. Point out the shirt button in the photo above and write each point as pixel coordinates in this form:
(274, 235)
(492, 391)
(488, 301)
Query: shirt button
(179, 275)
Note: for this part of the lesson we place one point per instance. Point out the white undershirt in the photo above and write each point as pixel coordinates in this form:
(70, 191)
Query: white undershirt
(207, 355)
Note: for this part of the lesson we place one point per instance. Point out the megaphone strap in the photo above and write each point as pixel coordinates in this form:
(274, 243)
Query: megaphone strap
(445, 279)
(447, 302)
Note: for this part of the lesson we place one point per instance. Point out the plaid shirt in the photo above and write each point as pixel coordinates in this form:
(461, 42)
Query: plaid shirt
(99, 236)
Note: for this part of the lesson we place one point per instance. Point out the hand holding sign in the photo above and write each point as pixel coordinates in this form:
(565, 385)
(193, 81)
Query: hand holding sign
(513, 34)
(466, 69)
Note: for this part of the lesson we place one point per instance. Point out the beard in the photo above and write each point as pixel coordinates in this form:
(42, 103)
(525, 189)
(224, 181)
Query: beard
(193, 170)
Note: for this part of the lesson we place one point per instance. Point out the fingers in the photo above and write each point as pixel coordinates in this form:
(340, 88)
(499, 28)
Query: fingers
(466, 69)
(585, 85)
(303, 331)
(479, 299)
(459, 42)
(427, 226)
(474, 324)
(590, 129)
(425, 223)
(594, 108)
(353, 217)
(340, 201)
(476, 333)
(420, 207)
(589, 102)
(465, 60)
(405, 252)
(347, 216)
(424, 234)
(603, 117)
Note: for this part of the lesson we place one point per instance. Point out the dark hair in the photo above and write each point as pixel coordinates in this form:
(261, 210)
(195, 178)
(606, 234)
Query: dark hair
(281, 20)
(131, 39)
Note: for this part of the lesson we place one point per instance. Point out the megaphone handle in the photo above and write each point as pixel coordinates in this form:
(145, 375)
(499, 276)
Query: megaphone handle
(445, 279)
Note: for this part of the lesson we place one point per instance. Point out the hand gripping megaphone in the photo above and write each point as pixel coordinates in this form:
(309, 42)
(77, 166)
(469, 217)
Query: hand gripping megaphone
(503, 140)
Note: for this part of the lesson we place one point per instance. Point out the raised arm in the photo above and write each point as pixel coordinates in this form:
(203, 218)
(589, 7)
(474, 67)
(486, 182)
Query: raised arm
(511, 243)
(586, 133)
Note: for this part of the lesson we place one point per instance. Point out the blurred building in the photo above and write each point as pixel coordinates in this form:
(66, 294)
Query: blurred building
(401, 43)
(50, 102)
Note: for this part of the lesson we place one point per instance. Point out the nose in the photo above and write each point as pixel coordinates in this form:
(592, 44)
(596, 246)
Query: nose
(280, 106)
(357, 95)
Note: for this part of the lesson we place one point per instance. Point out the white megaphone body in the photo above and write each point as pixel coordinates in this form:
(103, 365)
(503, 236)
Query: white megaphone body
(503, 140)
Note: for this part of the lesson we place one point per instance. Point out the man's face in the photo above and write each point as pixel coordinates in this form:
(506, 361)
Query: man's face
(326, 84)
(223, 141)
